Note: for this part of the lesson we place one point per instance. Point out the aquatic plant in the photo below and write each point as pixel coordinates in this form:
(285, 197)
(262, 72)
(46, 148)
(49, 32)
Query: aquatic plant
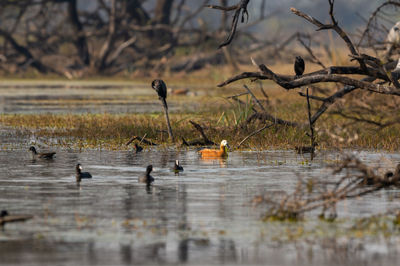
(311, 194)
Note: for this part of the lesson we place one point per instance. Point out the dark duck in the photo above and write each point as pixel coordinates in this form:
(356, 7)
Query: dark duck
(81, 175)
(147, 178)
(41, 155)
(177, 167)
(138, 148)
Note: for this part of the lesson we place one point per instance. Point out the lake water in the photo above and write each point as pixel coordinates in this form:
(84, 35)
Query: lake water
(202, 216)
(93, 97)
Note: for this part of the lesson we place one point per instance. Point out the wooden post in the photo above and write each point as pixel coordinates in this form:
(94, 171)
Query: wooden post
(171, 135)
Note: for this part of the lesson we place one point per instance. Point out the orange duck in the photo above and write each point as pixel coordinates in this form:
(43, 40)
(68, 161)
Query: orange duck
(211, 153)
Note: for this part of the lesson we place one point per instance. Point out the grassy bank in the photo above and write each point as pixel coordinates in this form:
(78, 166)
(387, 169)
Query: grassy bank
(112, 131)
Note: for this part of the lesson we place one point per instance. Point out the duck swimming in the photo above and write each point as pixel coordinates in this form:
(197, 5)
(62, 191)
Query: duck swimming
(211, 153)
(177, 167)
(147, 178)
(138, 148)
(42, 155)
(305, 149)
(80, 175)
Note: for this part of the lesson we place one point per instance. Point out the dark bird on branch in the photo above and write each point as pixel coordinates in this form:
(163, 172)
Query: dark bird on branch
(147, 178)
(161, 89)
(299, 66)
(42, 155)
(80, 175)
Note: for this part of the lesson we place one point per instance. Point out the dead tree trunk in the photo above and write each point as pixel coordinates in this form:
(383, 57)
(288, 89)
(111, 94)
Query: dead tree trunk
(163, 11)
(29, 58)
(162, 15)
(80, 42)
(224, 16)
(136, 12)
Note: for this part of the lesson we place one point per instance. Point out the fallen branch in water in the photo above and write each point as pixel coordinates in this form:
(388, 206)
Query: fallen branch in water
(312, 194)
(204, 141)
(145, 141)
(254, 133)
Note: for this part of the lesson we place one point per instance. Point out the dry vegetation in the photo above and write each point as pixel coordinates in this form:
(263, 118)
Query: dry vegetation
(223, 121)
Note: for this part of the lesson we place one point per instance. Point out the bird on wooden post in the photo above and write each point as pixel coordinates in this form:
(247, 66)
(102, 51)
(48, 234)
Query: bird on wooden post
(161, 89)
(299, 66)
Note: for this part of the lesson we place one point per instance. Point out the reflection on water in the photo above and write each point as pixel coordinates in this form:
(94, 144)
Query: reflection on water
(203, 215)
(210, 161)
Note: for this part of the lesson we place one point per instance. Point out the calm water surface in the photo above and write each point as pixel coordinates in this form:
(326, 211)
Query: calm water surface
(202, 216)
(93, 97)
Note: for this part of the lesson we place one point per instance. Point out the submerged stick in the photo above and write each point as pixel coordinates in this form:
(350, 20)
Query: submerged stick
(141, 140)
(145, 141)
(254, 133)
(311, 126)
(204, 136)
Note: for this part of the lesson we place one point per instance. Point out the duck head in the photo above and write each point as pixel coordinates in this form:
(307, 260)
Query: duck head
(149, 169)
(224, 146)
(33, 150)
(224, 143)
(78, 168)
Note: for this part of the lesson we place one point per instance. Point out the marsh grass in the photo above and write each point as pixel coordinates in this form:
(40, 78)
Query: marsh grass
(112, 131)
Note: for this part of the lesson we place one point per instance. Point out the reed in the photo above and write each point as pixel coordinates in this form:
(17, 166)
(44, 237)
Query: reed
(112, 131)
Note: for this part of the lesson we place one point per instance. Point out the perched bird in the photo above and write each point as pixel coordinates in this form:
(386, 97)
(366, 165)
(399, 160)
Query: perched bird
(42, 155)
(80, 175)
(393, 39)
(161, 89)
(138, 148)
(211, 153)
(147, 178)
(177, 167)
(159, 86)
(6, 218)
(299, 66)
